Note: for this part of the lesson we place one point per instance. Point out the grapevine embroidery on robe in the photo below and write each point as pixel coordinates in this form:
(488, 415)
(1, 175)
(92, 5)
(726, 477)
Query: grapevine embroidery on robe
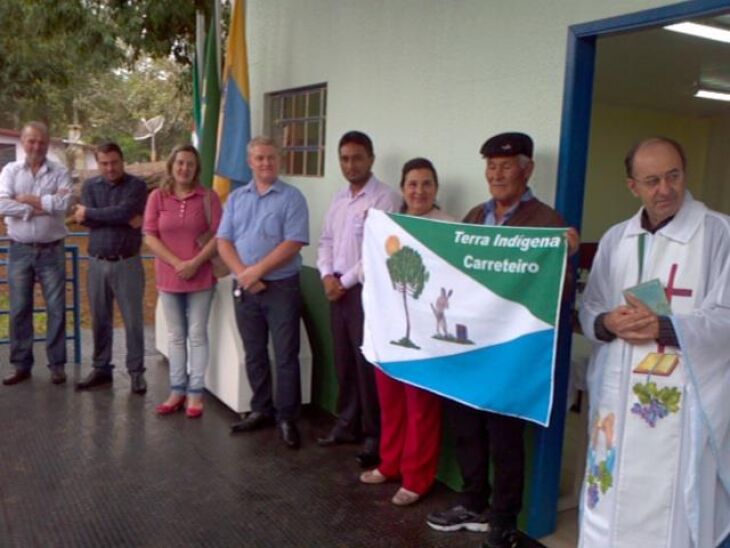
(655, 403)
(601, 459)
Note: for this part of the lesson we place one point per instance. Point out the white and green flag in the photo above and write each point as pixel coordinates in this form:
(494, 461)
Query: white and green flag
(466, 311)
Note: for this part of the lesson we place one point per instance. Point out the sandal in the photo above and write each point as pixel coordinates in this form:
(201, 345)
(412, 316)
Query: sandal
(404, 497)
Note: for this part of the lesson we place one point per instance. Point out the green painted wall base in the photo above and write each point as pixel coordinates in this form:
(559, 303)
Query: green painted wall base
(317, 322)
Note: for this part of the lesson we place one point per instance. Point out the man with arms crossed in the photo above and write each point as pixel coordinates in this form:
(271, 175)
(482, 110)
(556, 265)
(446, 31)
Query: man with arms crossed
(34, 196)
(112, 205)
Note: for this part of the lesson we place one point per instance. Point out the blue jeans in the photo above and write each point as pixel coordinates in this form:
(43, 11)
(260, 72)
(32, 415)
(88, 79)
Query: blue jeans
(26, 263)
(186, 315)
(275, 311)
(124, 281)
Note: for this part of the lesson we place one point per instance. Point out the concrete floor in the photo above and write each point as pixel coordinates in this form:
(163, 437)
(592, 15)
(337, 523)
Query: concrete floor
(102, 469)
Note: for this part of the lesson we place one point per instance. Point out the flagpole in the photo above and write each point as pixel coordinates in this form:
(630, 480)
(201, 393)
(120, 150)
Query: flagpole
(211, 109)
(217, 15)
(200, 41)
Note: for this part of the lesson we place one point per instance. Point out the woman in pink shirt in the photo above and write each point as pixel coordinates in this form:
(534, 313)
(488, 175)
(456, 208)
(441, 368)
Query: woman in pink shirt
(180, 222)
(410, 418)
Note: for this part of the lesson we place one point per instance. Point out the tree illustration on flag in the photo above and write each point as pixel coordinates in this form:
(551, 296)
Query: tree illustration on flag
(409, 276)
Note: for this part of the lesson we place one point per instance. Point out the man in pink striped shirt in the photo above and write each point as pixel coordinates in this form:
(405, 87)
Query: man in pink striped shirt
(338, 261)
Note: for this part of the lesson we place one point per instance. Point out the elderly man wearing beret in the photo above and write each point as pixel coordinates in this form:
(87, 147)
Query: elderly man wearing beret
(481, 435)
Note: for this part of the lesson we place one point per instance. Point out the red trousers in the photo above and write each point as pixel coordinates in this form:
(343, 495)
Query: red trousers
(410, 433)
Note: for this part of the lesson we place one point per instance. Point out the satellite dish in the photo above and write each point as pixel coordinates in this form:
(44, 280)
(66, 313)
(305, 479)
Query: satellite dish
(74, 135)
(73, 153)
(147, 130)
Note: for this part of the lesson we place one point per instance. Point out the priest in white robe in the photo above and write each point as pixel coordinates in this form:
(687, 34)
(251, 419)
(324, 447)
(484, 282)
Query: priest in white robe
(658, 467)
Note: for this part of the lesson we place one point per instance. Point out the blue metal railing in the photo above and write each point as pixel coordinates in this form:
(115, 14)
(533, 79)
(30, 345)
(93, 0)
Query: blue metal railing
(74, 279)
(74, 308)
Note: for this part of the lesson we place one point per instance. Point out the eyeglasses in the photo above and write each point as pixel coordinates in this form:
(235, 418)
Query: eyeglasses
(671, 177)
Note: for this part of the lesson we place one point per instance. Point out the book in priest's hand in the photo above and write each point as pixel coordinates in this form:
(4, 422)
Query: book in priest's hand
(652, 294)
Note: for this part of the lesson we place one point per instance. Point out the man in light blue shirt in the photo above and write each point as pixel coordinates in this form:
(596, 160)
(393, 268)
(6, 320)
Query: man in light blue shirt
(264, 226)
(34, 196)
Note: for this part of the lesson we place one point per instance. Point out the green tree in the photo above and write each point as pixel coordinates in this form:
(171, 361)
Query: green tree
(156, 28)
(58, 58)
(115, 102)
(409, 276)
(47, 50)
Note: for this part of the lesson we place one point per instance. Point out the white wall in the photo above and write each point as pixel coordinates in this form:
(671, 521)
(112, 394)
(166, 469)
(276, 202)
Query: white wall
(430, 78)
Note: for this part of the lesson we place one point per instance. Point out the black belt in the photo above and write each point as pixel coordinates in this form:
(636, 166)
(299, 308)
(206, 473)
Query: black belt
(113, 258)
(39, 245)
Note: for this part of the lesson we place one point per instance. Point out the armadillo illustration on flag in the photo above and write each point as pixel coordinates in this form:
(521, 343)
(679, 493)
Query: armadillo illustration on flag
(466, 311)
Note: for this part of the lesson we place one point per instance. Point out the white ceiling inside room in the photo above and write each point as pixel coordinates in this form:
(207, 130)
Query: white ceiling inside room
(660, 69)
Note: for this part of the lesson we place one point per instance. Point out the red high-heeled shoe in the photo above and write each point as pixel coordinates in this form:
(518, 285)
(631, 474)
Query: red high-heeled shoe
(167, 409)
(194, 412)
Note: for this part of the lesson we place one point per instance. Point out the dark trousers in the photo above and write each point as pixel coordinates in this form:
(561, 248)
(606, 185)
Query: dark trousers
(479, 436)
(124, 281)
(358, 408)
(276, 311)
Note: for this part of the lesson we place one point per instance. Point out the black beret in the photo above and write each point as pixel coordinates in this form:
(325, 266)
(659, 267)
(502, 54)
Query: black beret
(507, 144)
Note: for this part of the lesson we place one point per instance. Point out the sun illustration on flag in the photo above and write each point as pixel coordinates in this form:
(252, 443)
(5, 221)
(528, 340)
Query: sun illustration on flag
(409, 276)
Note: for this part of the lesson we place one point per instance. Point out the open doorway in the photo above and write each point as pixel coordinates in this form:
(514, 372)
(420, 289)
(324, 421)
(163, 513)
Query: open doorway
(645, 84)
(627, 78)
